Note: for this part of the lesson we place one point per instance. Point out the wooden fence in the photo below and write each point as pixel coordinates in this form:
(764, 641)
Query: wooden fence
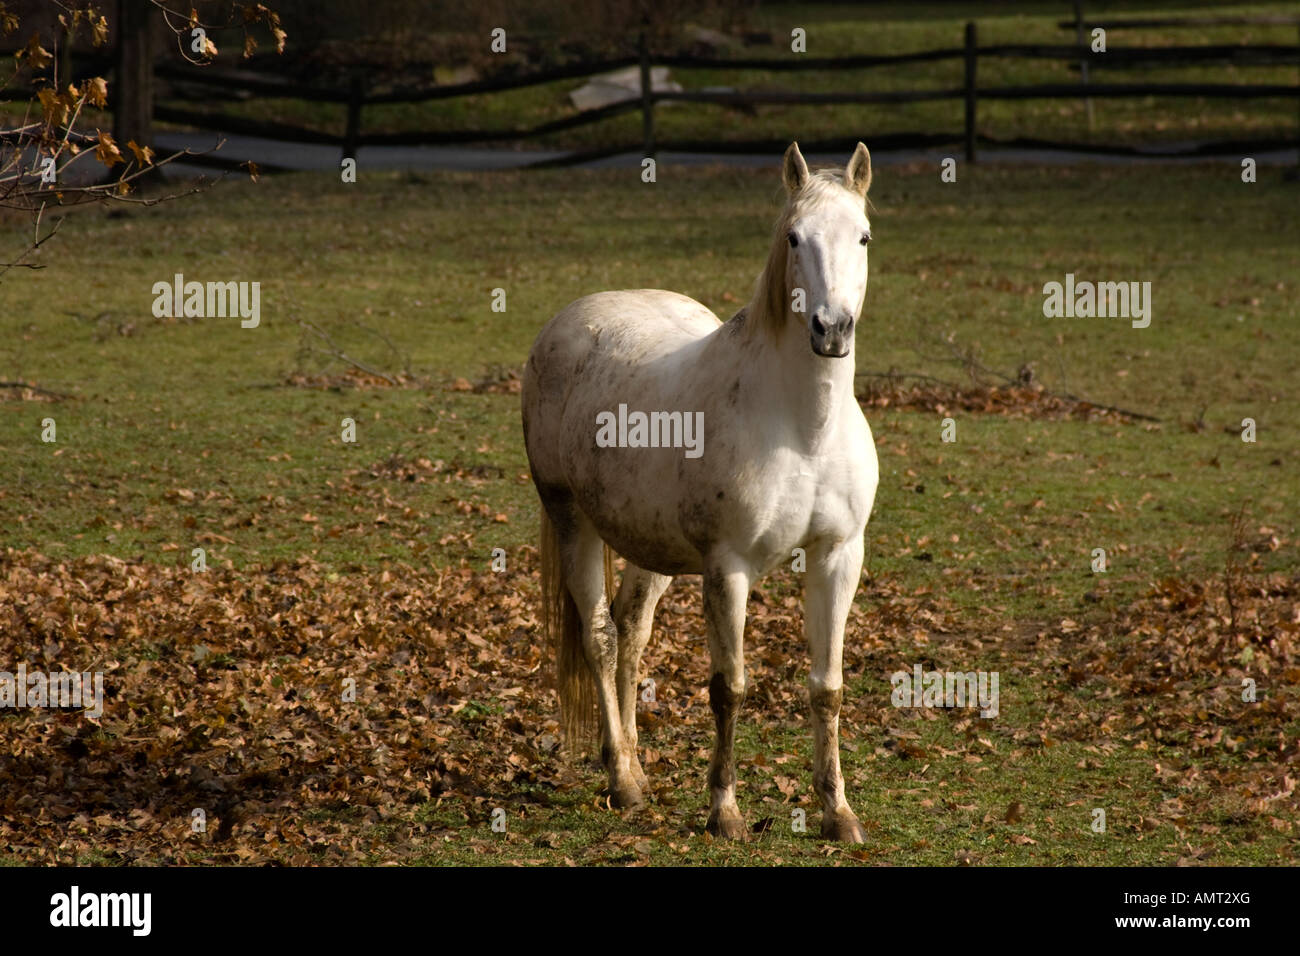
(356, 97)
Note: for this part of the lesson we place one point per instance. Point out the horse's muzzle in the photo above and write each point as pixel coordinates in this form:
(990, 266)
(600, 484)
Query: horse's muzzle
(827, 354)
(833, 339)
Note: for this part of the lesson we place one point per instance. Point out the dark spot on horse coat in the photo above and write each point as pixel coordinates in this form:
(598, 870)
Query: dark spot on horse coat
(699, 524)
(725, 705)
(722, 700)
(558, 502)
(826, 702)
(825, 707)
(721, 495)
(553, 496)
(639, 592)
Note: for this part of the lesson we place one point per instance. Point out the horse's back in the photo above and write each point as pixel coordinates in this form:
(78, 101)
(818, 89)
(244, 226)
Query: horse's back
(601, 344)
(633, 324)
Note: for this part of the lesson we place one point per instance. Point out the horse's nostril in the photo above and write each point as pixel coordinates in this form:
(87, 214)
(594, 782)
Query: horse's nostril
(817, 326)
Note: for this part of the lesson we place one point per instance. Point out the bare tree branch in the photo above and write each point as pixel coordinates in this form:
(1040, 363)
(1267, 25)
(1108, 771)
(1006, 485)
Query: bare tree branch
(55, 144)
(35, 388)
(332, 349)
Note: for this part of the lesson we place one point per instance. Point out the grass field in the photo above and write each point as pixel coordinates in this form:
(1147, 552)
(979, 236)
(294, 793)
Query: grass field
(175, 433)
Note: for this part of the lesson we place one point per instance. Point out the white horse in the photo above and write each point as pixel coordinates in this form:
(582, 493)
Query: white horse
(616, 387)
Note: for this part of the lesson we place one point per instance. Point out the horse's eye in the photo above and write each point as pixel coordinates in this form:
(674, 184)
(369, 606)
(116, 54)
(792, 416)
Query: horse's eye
(866, 237)
(794, 240)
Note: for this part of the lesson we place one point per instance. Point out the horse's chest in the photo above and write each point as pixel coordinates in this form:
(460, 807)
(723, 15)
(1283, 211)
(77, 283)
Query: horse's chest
(811, 505)
(793, 503)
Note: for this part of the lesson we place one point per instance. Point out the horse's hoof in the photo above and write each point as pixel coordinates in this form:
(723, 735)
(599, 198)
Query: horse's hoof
(843, 827)
(626, 797)
(728, 826)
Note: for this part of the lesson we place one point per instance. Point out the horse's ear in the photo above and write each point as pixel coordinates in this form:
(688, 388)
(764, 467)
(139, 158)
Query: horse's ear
(794, 172)
(857, 175)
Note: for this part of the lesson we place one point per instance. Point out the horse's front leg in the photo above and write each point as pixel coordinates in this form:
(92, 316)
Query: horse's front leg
(832, 582)
(725, 593)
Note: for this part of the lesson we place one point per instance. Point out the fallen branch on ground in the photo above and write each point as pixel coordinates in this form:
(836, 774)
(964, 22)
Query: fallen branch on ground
(331, 349)
(34, 388)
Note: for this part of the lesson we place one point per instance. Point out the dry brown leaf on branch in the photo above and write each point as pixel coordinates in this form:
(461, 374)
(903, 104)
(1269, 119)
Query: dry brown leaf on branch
(34, 55)
(96, 90)
(143, 154)
(107, 152)
(54, 107)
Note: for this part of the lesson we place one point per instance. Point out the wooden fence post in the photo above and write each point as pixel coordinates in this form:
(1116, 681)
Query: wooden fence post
(133, 77)
(64, 67)
(647, 101)
(970, 92)
(1083, 64)
(356, 95)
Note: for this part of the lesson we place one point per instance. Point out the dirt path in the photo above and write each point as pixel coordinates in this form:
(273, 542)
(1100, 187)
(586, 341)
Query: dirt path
(303, 156)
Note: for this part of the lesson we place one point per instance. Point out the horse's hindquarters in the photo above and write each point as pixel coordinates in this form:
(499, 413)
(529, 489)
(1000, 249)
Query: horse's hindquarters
(610, 415)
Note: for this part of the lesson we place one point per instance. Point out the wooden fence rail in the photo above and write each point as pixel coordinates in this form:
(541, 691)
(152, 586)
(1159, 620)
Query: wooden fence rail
(1124, 23)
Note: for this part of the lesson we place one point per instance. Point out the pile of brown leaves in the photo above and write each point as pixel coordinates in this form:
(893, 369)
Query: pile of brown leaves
(352, 378)
(27, 392)
(1020, 401)
(1211, 669)
(1188, 656)
(226, 691)
(498, 380)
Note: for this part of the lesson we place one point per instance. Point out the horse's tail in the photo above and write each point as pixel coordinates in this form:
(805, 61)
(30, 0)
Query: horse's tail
(563, 626)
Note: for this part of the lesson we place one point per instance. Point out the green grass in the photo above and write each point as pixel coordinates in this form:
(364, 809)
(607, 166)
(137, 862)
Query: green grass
(182, 432)
(933, 814)
(182, 427)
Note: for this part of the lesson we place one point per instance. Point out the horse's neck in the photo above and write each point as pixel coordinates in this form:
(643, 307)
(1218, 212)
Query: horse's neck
(811, 390)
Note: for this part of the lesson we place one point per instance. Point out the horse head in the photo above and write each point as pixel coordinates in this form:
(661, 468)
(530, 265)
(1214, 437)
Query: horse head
(825, 232)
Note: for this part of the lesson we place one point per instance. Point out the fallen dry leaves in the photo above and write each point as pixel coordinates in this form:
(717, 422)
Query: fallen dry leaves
(225, 691)
(1028, 401)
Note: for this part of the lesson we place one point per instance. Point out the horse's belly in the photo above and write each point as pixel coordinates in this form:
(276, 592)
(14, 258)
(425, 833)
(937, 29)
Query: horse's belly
(635, 507)
(667, 514)
(667, 554)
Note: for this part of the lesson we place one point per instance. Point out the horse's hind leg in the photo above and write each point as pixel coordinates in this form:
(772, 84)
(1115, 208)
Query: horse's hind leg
(633, 612)
(584, 569)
